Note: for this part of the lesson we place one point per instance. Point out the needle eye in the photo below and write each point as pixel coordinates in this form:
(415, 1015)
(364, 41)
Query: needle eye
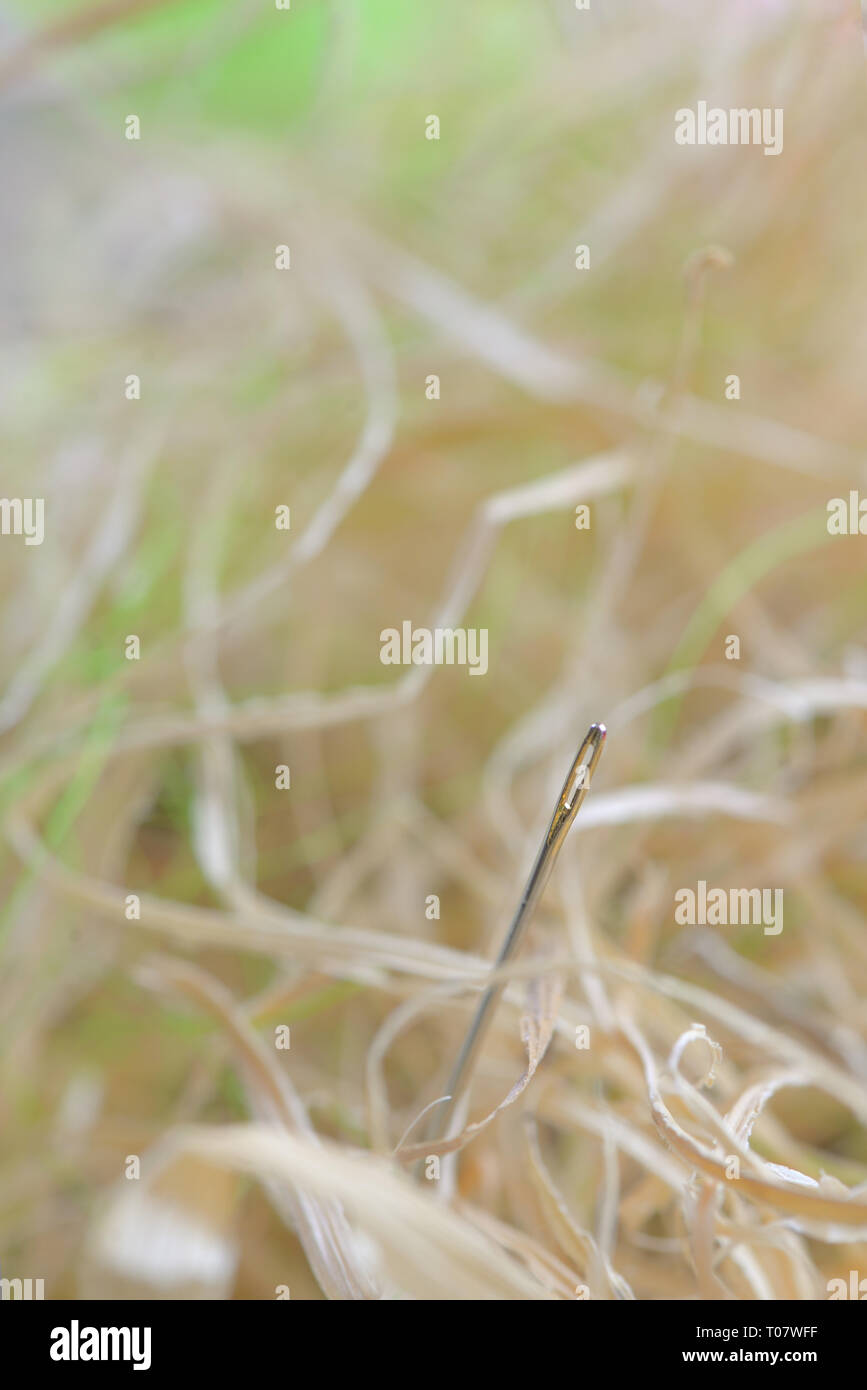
(582, 779)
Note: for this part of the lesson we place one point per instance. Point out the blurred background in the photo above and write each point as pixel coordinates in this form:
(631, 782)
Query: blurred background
(171, 900)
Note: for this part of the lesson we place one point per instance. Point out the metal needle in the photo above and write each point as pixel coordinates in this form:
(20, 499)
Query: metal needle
(575, 789)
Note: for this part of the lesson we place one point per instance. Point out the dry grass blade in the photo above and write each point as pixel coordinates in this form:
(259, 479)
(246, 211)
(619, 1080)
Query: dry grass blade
(425, 1250)
(321, 1225)
(537, 1030)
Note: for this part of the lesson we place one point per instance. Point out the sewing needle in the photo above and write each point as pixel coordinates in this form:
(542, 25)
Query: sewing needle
(575, 789)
